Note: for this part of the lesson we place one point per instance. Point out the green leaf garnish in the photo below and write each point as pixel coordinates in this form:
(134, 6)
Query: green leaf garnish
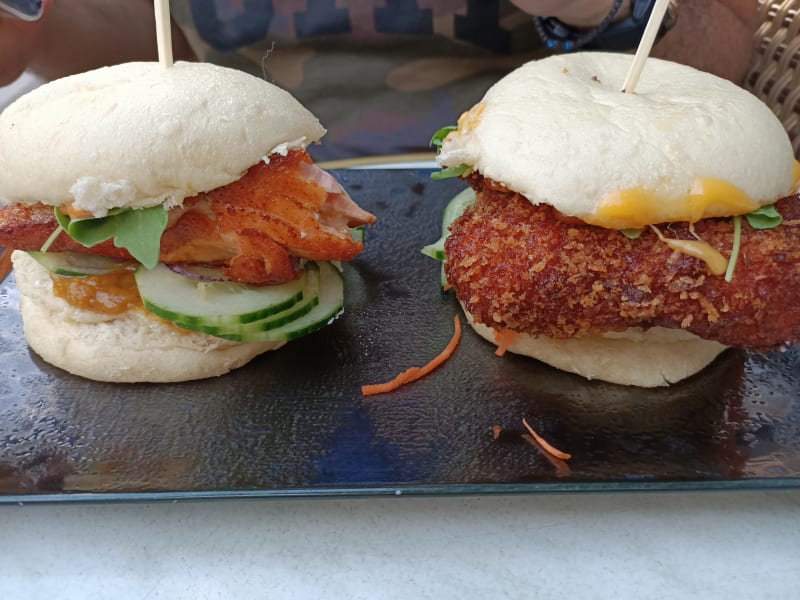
(765, 217)
(53, 237)
(137, 230)
(737, 243)
(438, 137)
(449, 172)
(631, 234)
(63, 220)
(358, 233)
(91, 232)
(437, 140)
(140, 232)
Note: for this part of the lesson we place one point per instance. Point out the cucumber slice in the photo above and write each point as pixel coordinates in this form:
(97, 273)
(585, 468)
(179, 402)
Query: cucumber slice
(331, 302)
(75, 264)
(454, 209)
(302, 308)
(435, 250)
(178, 298)
(357, 233)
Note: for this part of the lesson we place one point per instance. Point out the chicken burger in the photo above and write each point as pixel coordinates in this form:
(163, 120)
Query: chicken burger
(627, 237)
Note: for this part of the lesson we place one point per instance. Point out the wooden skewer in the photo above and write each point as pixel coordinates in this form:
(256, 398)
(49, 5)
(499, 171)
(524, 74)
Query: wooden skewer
(645, 45)
(163, 33)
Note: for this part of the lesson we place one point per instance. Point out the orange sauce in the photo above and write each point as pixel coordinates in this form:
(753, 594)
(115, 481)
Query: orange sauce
(75, 213)
(470, 119)
(111, 293)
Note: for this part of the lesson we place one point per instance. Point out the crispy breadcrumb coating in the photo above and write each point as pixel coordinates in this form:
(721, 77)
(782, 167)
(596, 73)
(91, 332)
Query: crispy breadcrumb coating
(529, 269)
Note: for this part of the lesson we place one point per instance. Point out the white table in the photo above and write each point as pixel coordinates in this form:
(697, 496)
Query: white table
(707, 545)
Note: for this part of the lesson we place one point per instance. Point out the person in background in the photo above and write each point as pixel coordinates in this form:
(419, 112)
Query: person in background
(381, 75)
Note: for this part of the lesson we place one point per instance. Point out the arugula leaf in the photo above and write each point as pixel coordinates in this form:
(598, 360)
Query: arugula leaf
(91, 232)
(765, 217)
(438, 137)
(140, 232)
(137, 230)
(437, 140)
(631, 234)
(53, 237)
(449, 172)
(63, 220)
(737, 243)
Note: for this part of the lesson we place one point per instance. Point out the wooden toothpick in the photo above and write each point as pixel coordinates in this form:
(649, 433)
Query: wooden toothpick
(163, 33)
(645, 45)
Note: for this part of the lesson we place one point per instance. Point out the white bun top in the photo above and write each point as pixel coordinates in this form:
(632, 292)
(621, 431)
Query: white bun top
(560, 132)
(139, 134)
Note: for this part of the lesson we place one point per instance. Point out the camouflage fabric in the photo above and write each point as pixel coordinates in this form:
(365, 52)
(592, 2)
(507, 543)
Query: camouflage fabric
(381, 75)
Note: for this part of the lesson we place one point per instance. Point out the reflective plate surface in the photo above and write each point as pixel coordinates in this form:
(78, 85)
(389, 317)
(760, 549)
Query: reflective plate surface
(294, 423)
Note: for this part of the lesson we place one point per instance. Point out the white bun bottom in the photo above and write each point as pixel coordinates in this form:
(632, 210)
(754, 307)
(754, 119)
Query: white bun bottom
(127, 348)
(652, 358)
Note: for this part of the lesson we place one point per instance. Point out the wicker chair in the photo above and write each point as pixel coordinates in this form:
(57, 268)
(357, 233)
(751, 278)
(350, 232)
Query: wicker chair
(775, 73)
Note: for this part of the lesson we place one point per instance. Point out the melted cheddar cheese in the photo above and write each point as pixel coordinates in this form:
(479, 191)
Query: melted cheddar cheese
(796, 180)
(469, 120)
(635, 208)
(716, 262)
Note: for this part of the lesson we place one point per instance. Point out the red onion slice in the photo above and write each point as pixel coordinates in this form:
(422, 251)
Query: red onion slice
(199, 272)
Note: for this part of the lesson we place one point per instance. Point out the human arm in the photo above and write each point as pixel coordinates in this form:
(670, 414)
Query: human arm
(712, 35)
(78, 35)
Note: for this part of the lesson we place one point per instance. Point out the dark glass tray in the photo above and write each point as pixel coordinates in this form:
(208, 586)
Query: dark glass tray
(294, 423)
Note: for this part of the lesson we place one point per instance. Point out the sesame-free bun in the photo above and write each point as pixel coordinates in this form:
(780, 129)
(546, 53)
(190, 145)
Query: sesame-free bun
(652, 358)
(560, 132)
(126, 348)
(139, 134)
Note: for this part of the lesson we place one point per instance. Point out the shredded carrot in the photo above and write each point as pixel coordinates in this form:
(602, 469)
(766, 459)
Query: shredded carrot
(561, 466)
(545, 444)
(415, 373)
(5, 263)
(503, 339)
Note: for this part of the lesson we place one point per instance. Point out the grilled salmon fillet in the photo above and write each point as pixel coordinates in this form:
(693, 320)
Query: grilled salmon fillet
(258, 228)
